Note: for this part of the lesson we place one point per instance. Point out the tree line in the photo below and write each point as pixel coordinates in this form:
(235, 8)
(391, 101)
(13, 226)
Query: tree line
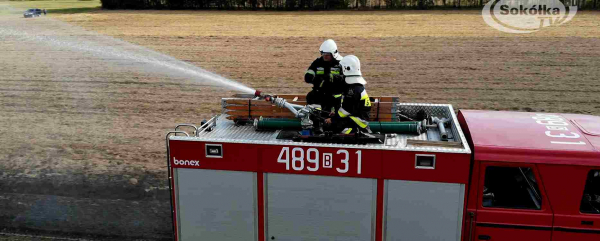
(308, 4)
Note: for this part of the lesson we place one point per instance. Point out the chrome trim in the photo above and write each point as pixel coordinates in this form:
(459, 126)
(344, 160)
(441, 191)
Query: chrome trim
(422, 167)
(187, 125)
(461, 202)
(265, 206)
(167, 138)
(255, 196)
(455, 124)
(228, 132)
(209, 124)
(176, 132)
(459, 130)
(211, 144)
(176, 180)
(384, 216)
(331, 145)
(374, 212)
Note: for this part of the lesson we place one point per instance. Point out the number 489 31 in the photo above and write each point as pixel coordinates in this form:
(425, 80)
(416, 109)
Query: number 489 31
(310, 159)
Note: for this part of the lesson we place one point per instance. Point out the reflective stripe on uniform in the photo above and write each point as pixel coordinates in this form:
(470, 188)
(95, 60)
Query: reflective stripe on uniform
(364, 96)
(310, 71)
(343, 113)
(359, 122)
(335, 70)
(347, 131)
(337, 96)
(320, 70)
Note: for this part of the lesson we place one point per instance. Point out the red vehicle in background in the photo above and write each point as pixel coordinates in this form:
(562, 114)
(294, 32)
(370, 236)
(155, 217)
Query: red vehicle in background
(483, 175)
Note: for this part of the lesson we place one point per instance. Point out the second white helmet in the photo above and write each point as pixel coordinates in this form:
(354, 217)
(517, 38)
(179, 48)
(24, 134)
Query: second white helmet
(329, 46)
(351, 70)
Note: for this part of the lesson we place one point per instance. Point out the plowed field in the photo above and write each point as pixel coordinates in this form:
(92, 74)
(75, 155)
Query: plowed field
(75, 125)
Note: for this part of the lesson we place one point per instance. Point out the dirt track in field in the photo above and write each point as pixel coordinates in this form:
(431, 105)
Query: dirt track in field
(75, 125)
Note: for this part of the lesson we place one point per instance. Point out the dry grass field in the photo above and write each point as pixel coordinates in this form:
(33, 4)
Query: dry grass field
(421, 56)
(78, 126)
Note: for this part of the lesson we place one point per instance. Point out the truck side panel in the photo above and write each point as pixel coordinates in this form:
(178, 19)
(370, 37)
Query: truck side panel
(306, 207)
(313, 192)
(206, 211)
(423, 210)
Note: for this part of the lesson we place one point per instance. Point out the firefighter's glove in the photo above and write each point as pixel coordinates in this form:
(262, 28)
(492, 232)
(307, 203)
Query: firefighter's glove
(308, 78)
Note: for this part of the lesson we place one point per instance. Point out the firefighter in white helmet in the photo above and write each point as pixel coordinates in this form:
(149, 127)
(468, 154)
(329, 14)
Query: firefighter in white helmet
(353, 115)
(321, 74)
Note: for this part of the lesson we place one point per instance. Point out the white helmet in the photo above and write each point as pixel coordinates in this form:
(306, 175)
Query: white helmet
(329, 46)
(351, 70)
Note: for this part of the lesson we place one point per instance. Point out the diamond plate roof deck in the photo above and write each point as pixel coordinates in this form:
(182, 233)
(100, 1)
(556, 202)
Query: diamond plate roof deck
(226, 131)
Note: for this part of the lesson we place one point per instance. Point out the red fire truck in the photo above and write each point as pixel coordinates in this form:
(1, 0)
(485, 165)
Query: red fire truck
(495, 175)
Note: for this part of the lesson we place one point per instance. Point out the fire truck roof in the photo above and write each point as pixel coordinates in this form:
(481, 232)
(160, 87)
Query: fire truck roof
(533, 137)
(227, 131)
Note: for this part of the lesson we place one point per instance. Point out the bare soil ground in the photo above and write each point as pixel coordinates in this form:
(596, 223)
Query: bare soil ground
(76, 126)
(422, 56)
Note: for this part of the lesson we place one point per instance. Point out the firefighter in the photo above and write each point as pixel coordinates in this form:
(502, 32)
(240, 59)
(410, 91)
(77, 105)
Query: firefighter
(353, 114)
(321, 74)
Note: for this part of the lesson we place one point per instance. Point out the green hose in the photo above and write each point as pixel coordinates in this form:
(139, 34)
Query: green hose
(405, 127)
(278, 124)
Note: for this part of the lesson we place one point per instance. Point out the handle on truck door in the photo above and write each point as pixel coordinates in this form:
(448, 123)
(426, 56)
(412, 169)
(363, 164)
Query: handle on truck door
(585, 222)
(484, 237)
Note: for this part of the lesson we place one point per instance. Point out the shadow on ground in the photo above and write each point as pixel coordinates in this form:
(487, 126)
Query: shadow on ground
(76, 205)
